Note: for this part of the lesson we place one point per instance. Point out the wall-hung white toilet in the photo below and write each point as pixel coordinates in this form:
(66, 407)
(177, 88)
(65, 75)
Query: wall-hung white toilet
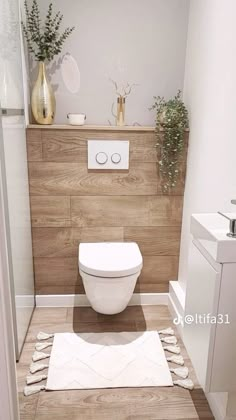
(109, 271)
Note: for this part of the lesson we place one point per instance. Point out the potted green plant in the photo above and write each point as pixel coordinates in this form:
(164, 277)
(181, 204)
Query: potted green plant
(171, 125)
(45, 41)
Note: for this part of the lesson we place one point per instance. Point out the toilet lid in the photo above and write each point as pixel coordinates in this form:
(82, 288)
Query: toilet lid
(110, 259)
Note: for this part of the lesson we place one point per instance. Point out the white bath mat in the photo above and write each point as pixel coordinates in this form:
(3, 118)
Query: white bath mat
(107, 360)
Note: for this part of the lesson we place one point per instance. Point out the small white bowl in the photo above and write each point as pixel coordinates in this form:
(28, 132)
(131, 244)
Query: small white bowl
(76, 119)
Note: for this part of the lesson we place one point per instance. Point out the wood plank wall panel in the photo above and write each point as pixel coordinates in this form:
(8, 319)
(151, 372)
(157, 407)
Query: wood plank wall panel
(64, 242)
(162, 240)
(156, 273)
(71, 145)
(50, 211)
(50, 178)
(34, 145)
(126, 211)
(110, 211)
(70, 204)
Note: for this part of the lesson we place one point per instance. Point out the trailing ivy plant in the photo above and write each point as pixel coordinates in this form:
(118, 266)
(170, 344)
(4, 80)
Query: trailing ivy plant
(44, 39)
(171, 124)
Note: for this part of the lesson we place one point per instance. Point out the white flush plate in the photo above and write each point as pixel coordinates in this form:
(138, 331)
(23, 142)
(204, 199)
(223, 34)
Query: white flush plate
(108, 154)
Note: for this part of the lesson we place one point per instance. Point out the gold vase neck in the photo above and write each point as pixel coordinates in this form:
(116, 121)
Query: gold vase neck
(42, 70)
(121, 100)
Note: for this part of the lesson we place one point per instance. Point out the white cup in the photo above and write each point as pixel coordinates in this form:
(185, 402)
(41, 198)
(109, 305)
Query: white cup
(76, 119)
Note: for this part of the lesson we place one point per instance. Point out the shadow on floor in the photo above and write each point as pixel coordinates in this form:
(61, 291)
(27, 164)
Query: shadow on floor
(87, 320)
(201, 404)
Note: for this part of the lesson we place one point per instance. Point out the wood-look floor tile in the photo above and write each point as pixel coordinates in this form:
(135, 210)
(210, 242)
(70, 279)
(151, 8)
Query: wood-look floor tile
(80, 327)
(44, 315)
(154, 312)
(170, 403)
(148, 325)
(21, 372)
(48, 328)
(26, 354)
(201, 404)
(79, 314)
(28, 406)
(109, 326)
(122, 403)
(137, 313)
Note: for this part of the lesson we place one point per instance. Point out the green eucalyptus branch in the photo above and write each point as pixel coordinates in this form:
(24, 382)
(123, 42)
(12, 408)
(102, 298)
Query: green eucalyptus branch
(171, 124)
(44, 39)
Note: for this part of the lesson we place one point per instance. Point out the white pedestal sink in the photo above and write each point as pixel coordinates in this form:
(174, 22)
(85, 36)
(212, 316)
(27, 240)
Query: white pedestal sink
(211, 302)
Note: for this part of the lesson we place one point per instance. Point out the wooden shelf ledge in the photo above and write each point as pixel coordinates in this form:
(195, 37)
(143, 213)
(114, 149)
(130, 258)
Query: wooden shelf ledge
(92, 127)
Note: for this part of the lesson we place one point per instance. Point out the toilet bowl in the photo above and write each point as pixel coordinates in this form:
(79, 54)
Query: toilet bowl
(109, 272)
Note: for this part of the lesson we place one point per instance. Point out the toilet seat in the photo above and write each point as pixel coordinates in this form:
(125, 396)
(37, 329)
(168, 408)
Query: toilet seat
(110, 259)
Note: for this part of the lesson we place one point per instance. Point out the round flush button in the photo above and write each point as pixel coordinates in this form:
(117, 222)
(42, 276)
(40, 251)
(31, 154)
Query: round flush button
(116, 158)
(101, 158)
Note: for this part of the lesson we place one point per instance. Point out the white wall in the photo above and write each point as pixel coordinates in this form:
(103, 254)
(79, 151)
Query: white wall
(10, 59)
(132, 41)
(14, 154)
(13, 159)
(8, 387)
(210, 96)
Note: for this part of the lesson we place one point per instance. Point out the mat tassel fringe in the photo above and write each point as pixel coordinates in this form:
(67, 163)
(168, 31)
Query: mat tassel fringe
(167, 331)
(178, 360)
(169, 340)
(172, 349)
(39, 356)
(42, 346)
(37, 367)
(181, 372)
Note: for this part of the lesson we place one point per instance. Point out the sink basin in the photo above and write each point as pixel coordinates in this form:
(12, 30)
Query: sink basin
(210, 230)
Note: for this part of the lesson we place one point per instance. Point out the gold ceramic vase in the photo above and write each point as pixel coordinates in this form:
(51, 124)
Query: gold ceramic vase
(43, 100)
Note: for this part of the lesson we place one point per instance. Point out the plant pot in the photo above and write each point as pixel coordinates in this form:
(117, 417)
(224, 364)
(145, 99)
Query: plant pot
(43, 102)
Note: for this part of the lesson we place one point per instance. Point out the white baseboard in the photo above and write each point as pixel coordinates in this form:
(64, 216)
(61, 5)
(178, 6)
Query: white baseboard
(176, 304)
(81, 300)
(178, 296)
(175, 315)
(24, 301)
(218, 403)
